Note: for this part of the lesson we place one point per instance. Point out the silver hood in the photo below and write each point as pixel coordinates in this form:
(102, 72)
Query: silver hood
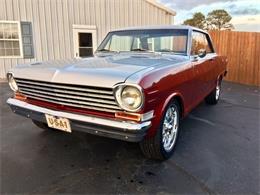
(97, 71)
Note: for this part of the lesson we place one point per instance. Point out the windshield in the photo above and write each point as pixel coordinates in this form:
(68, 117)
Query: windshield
(165, 40)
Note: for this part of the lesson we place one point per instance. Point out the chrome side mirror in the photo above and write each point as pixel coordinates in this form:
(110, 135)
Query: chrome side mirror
(202, 53)
(195, 58)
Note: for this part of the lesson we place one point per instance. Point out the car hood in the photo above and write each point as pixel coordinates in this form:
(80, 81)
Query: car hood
(99, 71)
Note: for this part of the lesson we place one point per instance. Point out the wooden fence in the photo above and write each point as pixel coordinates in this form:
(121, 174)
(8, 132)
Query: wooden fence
(243, 52)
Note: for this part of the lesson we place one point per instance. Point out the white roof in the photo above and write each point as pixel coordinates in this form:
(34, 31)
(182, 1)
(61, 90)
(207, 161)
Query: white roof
(161, 27)
(161, 6)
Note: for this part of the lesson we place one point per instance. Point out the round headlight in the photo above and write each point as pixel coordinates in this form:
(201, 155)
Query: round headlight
(130, 98)
(12, 82)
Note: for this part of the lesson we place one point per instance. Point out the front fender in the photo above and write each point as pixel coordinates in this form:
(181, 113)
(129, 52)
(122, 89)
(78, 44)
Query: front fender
(159, 112)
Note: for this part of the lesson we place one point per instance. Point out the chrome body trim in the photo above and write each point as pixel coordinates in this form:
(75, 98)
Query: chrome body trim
(124, 125)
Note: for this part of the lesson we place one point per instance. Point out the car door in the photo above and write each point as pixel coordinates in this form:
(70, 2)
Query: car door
(202, 65)
(213, 64)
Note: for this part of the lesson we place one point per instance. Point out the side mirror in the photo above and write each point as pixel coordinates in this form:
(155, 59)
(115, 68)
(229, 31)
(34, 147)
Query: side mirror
(202, 53)
(195, 58)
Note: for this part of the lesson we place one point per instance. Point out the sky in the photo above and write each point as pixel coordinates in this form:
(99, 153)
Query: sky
(245, 13)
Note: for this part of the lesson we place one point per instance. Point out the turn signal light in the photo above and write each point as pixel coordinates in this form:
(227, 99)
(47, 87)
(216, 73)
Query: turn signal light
(20, 96)
(128, 116)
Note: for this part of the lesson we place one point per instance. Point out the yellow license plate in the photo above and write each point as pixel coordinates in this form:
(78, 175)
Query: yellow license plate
(62, 124)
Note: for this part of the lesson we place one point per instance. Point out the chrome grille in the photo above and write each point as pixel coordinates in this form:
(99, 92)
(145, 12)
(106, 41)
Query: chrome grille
(93, 98)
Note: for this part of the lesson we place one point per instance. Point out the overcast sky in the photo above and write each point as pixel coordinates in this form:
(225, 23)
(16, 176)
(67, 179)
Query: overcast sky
(245, 13)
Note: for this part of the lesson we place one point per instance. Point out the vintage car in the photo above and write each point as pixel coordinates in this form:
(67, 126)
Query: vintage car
(137, 86)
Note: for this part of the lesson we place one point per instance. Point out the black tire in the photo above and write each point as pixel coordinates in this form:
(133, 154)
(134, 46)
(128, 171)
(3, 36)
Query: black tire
(153, 148)
(213, 97)
(41, 125)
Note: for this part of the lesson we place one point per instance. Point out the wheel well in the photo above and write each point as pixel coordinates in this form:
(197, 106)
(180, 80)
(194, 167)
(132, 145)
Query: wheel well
(181, 104)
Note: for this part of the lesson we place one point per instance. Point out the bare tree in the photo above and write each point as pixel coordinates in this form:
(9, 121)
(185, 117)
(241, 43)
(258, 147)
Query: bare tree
(198, 20)
(219, 20)
(215, 20)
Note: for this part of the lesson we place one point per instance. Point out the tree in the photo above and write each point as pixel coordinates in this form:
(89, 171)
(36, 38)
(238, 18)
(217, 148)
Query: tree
(198, 20)
(215, 20)
(219, 20)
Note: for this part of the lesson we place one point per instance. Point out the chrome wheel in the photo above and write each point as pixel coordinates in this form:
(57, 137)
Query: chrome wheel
(170, 128)
(218, 91)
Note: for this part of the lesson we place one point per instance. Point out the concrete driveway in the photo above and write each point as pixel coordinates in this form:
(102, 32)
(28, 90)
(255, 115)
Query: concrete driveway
(218, 152)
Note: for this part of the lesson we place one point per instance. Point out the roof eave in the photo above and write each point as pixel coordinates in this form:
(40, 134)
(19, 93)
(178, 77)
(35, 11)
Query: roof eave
(159, 5)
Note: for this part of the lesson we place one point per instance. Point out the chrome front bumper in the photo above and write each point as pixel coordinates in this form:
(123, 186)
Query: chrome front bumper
(124, 130)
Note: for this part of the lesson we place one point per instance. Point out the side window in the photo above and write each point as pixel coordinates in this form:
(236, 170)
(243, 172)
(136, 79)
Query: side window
(209, 48)
(200, 41)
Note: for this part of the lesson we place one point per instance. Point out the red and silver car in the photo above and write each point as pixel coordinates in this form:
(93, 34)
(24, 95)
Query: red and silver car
(136, 88)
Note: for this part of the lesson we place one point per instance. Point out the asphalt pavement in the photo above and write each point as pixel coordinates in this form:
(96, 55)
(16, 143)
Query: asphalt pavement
(218, 153)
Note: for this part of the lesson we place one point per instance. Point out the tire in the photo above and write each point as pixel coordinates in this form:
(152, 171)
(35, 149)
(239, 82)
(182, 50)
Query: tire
(41, 125)
(214, 96)
(156, 147)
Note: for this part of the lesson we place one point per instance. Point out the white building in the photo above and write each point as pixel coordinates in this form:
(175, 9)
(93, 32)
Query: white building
(40, 30)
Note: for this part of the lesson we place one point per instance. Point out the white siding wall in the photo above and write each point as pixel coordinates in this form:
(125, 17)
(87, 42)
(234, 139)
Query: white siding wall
(52, 22)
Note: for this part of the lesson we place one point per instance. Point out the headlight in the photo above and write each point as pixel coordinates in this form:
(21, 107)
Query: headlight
(129, 97)
(12, 82)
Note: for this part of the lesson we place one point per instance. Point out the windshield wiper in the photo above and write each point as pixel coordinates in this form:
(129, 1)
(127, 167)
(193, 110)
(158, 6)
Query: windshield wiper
(167, 50)
(106, 50)
(170, 51)
(139, 49)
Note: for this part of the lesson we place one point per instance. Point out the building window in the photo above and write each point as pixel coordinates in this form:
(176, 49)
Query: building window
(15, 39)
(9, 39)
(85, 44)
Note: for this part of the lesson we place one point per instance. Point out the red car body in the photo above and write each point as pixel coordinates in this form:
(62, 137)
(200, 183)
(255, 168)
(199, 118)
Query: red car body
(189, 83)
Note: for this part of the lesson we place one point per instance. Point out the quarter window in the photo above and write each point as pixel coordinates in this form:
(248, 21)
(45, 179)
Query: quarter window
(200, 41)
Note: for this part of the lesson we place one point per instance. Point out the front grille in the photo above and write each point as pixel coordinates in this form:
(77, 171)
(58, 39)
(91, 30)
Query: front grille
(92, 98)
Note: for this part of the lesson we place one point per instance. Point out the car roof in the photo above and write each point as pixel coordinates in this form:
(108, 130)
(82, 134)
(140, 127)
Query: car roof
(157, 27)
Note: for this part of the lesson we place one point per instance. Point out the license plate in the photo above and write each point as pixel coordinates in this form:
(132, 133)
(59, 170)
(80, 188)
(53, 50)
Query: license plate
(62, 124)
